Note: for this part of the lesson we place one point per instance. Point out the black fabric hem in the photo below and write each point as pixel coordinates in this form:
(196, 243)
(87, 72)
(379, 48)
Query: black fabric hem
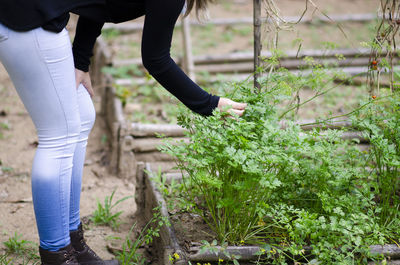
(213, 103)
(45, 20)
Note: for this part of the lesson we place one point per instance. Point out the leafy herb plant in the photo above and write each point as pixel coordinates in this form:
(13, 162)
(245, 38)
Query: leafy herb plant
(257, 181)
(380, 123)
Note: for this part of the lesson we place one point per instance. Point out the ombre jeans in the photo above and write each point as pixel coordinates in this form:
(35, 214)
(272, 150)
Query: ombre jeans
(40, 65)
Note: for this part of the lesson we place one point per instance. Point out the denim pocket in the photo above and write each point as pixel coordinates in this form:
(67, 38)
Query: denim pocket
(54, 47)
(4, 31)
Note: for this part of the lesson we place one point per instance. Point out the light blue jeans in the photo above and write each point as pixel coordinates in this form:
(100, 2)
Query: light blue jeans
(41, 66)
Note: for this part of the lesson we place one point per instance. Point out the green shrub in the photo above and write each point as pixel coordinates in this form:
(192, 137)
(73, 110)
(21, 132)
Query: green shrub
(380, 123)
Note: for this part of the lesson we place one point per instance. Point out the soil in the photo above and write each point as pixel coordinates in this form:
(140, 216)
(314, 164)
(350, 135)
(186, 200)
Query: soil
(191, 229)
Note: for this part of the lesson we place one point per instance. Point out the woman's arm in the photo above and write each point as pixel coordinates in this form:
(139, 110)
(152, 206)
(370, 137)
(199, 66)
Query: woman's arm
(161, 16)
(87, 31)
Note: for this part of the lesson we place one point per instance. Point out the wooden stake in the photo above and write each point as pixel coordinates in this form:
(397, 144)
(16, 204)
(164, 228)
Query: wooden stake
(257, 41)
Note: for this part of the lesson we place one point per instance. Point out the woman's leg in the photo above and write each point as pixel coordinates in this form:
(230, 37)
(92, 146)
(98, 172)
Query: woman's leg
(87, 117)
(40, 64)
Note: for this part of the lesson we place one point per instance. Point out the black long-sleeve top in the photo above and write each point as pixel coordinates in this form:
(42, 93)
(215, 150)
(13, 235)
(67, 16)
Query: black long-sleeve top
(53, 15)
(160, 19)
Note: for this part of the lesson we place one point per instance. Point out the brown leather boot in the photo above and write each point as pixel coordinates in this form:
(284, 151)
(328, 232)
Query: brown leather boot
(84, 254)
(64, 256)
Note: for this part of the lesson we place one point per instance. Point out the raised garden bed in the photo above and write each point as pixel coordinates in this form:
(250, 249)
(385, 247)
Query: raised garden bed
(313, 185)
(188, 248)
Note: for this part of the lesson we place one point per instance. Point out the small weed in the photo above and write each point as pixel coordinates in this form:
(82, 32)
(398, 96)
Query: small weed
(123, 93)
(30, 259)
(227, 5)
(139, 117)
(130, 255)
(19, 251)
(103, 215)
(169, 188)
(7, 169)
(5, 125)
(222, 249)
(243, 30)
(104, 139)
(126, 71)
(5, 259)
(17, 245)
(161, 182)
(228, 35)
(110, 34)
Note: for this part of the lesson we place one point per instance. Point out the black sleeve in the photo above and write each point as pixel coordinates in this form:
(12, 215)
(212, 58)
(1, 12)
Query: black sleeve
(87, 31)
(161, 16)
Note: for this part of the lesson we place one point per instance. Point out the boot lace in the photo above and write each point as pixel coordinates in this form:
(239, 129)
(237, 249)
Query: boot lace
(70, 257)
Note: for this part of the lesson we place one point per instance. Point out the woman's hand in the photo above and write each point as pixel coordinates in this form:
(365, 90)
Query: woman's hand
(83, 78)
(234, 107)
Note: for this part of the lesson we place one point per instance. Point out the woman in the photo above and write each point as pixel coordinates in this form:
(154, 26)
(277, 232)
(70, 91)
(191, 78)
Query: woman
(35, 50)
